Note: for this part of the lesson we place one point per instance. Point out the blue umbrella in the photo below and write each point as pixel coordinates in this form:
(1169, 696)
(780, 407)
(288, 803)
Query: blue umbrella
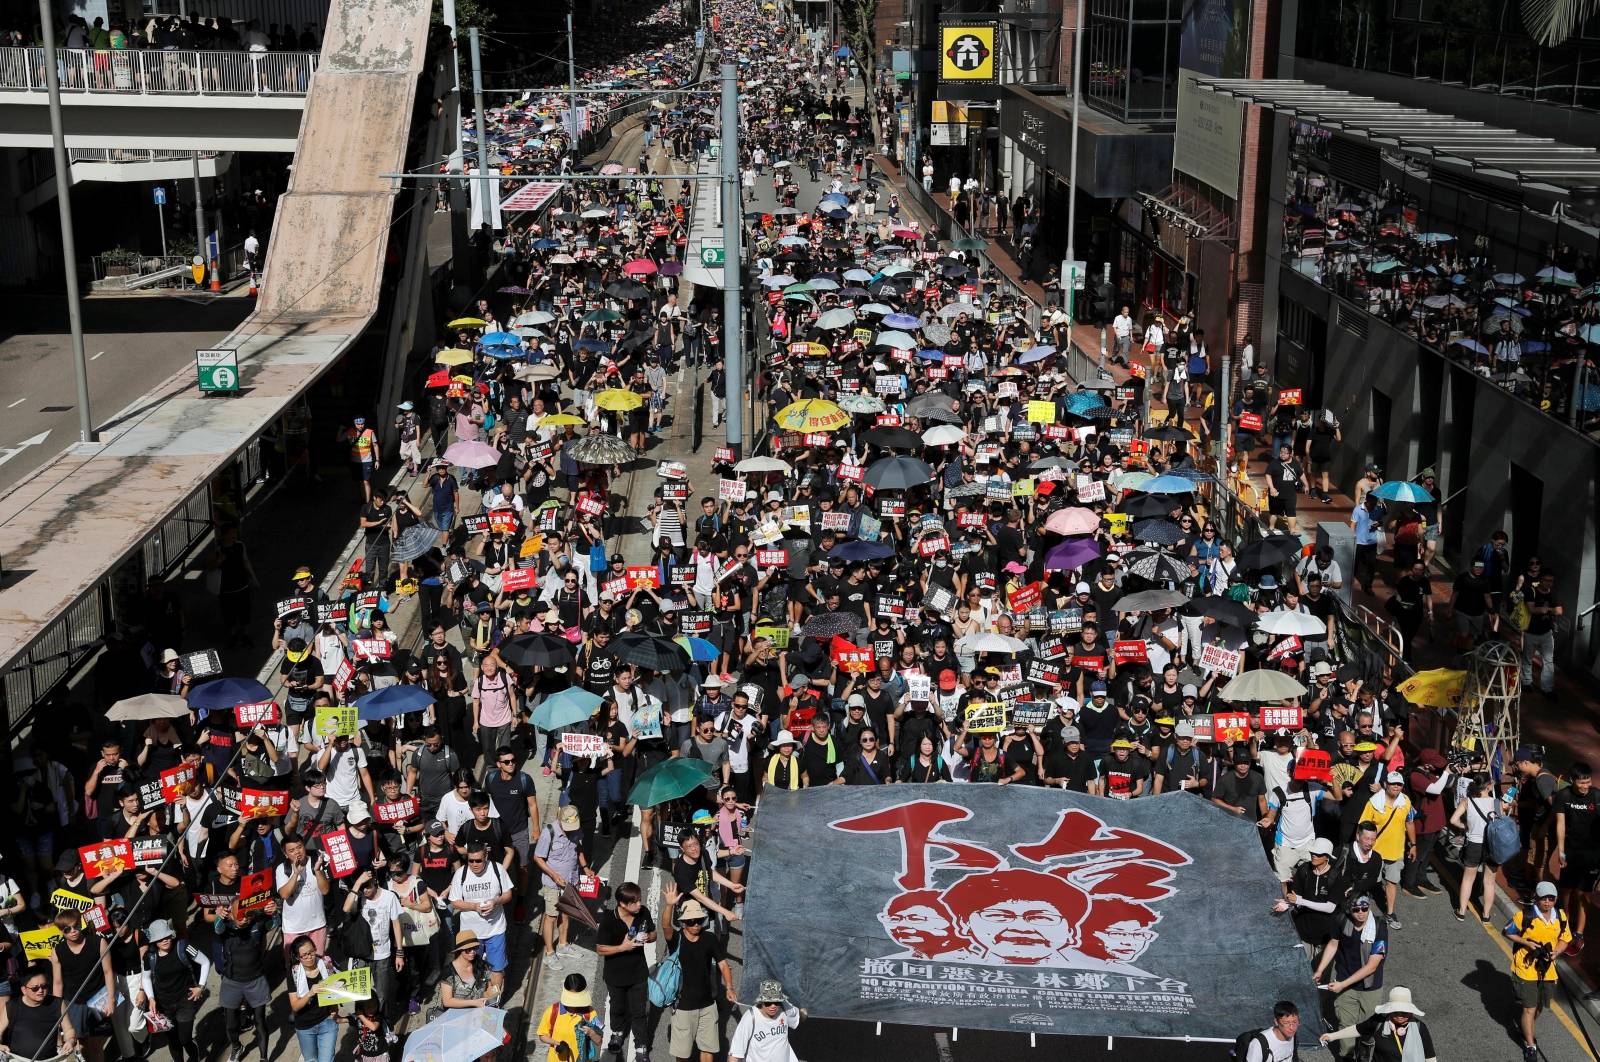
(499, 339)
(565, 708)
(1159, 531)
(503, 353)
(391, 701)
(1038, 354)
(929, 355)
(834, 197)
(1589, 333)
(1079, 400)
(700, 650)
(835, 214)
(858, 274)
(1168, 485)
(852, 552)
(1401, 490)
(902, 320)
(225, 694)
(1472, 345)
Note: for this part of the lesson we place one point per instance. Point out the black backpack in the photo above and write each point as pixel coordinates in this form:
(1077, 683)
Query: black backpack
(1241, 1047)
(355, 938)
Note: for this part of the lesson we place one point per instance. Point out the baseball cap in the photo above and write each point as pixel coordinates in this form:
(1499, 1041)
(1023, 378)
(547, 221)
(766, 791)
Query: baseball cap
(1191, 690)
(1184, 729)
(1545, 888)
(947, 681)
(1082, 588)
(358, 815)
(436, 828)
(569, 818)
(1097, 687)
(1322, 846)
(1394, 778)
(1070, 734)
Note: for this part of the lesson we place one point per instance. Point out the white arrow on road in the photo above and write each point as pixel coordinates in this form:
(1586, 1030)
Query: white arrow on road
(9, 452)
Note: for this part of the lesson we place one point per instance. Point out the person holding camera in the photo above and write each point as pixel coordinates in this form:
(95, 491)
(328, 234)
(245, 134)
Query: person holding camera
(1537, 936)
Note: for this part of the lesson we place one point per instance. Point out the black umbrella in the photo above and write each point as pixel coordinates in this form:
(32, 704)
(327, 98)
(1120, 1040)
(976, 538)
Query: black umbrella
(966, 490)
(655, 654)
(937, 415)
(1162, 532)
(830, 624)
(1156, 567)
(893, 438)
(1269, 552)
(536, 650)
(1170, 433)
(1147, 505)
(627, 290)
(1226, 610)
(898, 473)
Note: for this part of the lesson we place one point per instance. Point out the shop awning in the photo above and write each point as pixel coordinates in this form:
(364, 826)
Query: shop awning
(1442, 138)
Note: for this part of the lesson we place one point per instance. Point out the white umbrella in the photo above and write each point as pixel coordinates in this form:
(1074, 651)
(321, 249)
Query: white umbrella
(763, 464)
(943, 435)
(149, 706)
(1299, 624)
(989, 642)
(1262, 686)
(533, 317)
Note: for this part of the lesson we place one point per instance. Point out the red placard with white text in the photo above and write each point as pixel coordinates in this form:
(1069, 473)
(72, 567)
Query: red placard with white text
(341, 857)
(1281, 718)
(1291, 396)
(771, 558)
(255, 890)
(261, 713)
(1250, 422)
(177, 782)
(390, 812)
(516, 579)
(1024, 597)
(642, 576)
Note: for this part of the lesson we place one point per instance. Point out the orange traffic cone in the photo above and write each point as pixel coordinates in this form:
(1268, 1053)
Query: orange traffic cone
(253, 291)
(216, 284)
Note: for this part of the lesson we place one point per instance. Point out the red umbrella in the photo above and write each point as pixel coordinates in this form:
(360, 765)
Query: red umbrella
(639, 267)
(439, 379)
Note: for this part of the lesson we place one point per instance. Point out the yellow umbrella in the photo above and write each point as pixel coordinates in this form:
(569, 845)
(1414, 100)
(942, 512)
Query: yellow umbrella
(811, 414)
(453, 357)
(560, 420)
(1440, 688)
(467, 322)
(618, 400)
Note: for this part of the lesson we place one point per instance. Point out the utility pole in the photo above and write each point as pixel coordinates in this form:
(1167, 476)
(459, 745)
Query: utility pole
(485, 182)
(199, 214)
(1069, 275)
(1223, 417)
(69, 246)
(572, 85)
(732, 251)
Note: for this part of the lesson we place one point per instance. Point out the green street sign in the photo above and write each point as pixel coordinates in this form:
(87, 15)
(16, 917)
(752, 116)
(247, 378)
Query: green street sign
(713, 256)
(218, 370)
(714, 149)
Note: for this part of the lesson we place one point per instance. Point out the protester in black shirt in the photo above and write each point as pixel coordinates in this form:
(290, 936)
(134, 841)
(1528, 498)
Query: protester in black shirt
(625, 932)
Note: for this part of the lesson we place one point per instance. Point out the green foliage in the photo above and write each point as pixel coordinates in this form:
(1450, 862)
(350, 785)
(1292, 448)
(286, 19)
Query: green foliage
(478, 13)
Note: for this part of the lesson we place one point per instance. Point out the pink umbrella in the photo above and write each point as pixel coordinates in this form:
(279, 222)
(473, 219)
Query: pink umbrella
(1075, 521)
(639, 267)
(472, 455)
(610, 169)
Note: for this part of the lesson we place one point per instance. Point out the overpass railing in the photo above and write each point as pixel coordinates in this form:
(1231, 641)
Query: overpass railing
(161, 73)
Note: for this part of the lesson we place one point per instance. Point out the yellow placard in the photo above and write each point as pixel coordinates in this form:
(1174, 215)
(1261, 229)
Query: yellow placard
(777, 635)
(67, 900)
(986, 717)
(1041, 412)
(531, 545)
(966, 53)
(1024, 488)
(39, 943)
(347, 986)
(334, 722)
(1118, 522)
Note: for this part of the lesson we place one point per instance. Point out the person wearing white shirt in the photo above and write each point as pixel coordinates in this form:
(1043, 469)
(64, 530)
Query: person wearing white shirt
(454, 811)
(302, 881)
(1122, 328)
(380, 908)
(1155, 338)
(763, 1031)
(478, 894)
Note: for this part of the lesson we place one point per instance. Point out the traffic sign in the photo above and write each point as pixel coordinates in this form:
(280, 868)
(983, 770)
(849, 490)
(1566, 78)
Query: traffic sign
(218, 370)
(161, 196)
(714, 150)
(1073, 272)
(711, 256)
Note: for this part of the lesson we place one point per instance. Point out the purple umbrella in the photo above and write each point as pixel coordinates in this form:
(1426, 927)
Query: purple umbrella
(671, 269)
(1071, 553)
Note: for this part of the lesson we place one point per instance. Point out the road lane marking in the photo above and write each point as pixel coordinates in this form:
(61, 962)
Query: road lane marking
(97, 356)
(18, 402)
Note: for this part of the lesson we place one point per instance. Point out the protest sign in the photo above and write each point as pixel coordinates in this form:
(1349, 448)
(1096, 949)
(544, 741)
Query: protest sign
(389, 812)
(347, 986)
(1025, 597)
(1281, 718)
(341, 857)
(1230, 726)
(263, 803)
(40, 944)
(1041, 412)
(369, 649)
(1215, 658)
(332, 722)
(255, 890)
(731, 490)
(589, 745)
(178, 782)
(259, 713)
(106, 857)
(642, 576)
(851, 659)
(516, 579)
(986, 717)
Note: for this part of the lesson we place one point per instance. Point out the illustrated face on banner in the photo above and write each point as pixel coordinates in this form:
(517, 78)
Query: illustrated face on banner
(1089, 912)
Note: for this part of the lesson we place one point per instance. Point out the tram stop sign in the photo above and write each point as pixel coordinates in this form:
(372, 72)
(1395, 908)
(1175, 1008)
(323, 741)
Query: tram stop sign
(218, 370)
(713, 255)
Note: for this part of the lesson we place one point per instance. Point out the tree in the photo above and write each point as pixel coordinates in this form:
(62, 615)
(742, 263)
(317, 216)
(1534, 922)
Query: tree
(468, 13)
(1552, 21)
(858, 22)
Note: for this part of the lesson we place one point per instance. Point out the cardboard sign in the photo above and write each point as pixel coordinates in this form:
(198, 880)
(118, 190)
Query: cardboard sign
(510, 582)
(1230, 726)
(851, 473)
(1216, 659)
(347, 986)
(771, 558)
(891, 606)
(260, 713)
(1025, 597)
(334, 722)
(106, 857)
(1092, 491)
(1250, 422)
(590, 745)
(674, 492)
(672, 470)
(891, 508)
(67, 900)
(371, 648)
(986, 717)
(933, 545)
(1313, 765)
(1281, 718)
(342, 676)
(177, 782)
(341, 857)
(203, 664)
(255, 890)
(39, 944)
(390, 812)
(263, 803)
(289, 606)
(731, 491)
(1041, 412)
(149, 851)
(1291, 396)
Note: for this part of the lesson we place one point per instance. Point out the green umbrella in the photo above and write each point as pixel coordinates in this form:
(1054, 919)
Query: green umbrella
(601, 316)
(670, 780)
(970, 244)
(565, 708)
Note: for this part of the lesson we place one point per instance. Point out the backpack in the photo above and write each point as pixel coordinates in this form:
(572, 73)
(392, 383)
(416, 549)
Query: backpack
(1501, 840)
(1241, 1047)
(355, 937)
(665, 980)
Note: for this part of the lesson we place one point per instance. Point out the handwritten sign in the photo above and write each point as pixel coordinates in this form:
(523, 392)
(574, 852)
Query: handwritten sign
(1041, 412)
(590, 745)
(1216, 659)
(347, 986)
(1092, 491)
(919, 687)
(39, 944)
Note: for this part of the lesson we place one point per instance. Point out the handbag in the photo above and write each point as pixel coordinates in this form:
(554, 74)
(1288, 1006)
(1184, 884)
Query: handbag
(1149, 348)
(417, 927)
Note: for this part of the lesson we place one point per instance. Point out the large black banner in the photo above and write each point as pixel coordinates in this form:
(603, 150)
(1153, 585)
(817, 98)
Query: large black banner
(1019, 909)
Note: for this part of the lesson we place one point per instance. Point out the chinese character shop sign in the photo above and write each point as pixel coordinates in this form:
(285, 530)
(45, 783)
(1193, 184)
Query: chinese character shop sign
(967, 53)
(1019, 910)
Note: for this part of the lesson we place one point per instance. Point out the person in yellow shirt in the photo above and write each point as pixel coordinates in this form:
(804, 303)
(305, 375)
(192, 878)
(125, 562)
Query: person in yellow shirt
(570, 1028)
(1391, 811)
(1538, 936)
